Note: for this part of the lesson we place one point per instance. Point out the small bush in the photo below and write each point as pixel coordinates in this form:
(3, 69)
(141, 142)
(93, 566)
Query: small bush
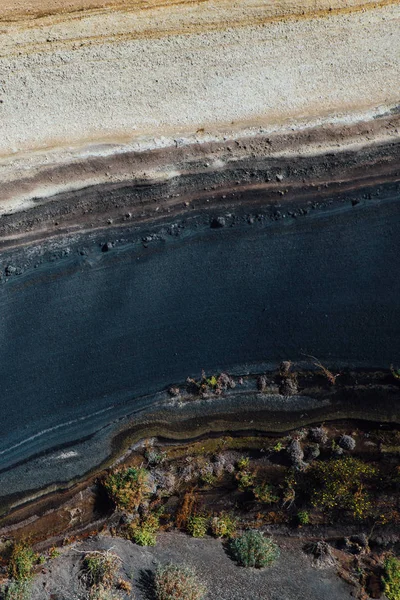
(265, 493)
(17, 590)
(128, 488)
(100, 568)
(100, 592)
(22, 561)
(143, 531)
(243, 463)
(208, 478)
(155, 458)
(125, 586)
(54, 552)
(175, 582)
(244, 476)
(223, 525)
(303, 517)
(197, 526)
(252, 549)
(391, 579)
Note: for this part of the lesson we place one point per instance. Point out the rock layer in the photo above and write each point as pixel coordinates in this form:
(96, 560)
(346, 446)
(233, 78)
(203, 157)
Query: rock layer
(184, 186)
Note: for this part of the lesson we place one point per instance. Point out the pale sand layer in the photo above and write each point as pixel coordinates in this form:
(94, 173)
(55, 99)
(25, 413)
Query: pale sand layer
(61, 101)
(19, 10)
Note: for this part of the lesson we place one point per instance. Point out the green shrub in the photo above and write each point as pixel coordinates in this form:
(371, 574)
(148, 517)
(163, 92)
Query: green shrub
(143, 531)
(175, 582)
(22, 561)
(265, 493)
(303, 517)
(244, 475)
(223, 525)
(101, 568)
(17, 590)
(128, 488)
(243, 463)
(252, 549)
(197, 526)
(54, 552)
(208, 478)
(391, 579)
(340, 483)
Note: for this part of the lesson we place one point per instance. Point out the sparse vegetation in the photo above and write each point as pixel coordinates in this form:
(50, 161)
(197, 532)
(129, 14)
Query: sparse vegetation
(265, 493)
(176, 582)
(340, 484)
(391, 578)
(253, 549)
(100, 592)
(100, 568)
(331, 377)
(213, 385)
(153, 457)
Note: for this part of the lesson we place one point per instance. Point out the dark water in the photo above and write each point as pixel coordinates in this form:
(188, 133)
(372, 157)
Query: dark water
(78, 339)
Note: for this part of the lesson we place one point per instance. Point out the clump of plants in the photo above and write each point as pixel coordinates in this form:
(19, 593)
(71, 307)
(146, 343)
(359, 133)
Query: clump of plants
(244, 475)
(99, 592)
(213, 385)
(391, 578)
(17, 590)
(143, 530)
(177, 582)
(153, 457)
(303, 517)
(128, 487)
(20, 571)
(197, 526)
(253, 549)
(22, 562)
(100, 568)
(340, 484)
(265, 493)
(223, 525)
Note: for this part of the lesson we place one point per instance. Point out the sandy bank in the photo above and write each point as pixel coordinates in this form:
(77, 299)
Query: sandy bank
(125, 90)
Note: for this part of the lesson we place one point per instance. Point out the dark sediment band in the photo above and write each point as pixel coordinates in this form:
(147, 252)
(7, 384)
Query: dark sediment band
(276, 258)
